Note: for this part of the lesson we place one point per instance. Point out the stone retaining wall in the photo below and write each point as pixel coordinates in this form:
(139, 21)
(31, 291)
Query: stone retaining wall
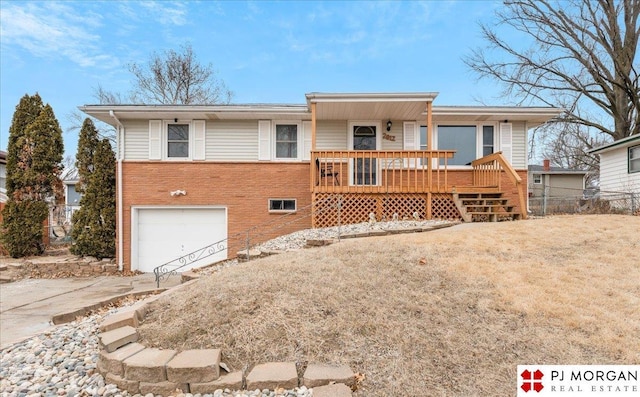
(133, 367)
(58, 267)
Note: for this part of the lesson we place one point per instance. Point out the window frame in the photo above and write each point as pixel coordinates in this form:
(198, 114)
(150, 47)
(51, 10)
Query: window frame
(479, 139)
(282, 211)
(299, 138)
(493, 144)
(165, 140)
(533, 178)
(633, 160)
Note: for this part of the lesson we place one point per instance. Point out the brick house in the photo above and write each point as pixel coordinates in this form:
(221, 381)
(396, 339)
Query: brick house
(193, 175)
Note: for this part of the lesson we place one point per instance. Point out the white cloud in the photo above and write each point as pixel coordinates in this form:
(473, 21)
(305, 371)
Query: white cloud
(166, 12)
(53, 30)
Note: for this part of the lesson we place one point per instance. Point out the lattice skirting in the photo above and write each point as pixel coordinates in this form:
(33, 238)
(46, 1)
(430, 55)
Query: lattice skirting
(332, 209)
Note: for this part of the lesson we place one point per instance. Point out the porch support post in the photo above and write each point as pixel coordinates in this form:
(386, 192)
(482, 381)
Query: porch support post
(429, 146)
(312, 163)
(429, 208)
(313, 126)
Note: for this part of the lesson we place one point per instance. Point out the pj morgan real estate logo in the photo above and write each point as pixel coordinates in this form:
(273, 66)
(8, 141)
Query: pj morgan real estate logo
(578, 380)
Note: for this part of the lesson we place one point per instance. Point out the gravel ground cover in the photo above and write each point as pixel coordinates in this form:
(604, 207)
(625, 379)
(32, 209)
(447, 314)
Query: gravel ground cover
(63, 363)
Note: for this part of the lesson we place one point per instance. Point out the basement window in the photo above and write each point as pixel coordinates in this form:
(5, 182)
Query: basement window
(282, 205)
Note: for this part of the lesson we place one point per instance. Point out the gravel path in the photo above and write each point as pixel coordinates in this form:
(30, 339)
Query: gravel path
(62, 362)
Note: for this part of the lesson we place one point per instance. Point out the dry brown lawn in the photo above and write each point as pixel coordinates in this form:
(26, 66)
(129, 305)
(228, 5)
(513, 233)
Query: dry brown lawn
(445, 313)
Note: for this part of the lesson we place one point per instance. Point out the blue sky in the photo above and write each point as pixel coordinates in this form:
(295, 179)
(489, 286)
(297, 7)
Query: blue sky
(266, 52)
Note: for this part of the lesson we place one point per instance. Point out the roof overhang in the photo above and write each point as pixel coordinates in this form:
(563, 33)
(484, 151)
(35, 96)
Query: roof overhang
(370, 106)
(533, 116)
(624, 142)
(331, 106)
(560, 172)
(202, 112)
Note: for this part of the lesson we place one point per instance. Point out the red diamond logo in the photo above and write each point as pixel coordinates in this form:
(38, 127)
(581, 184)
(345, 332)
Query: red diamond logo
(532, 381)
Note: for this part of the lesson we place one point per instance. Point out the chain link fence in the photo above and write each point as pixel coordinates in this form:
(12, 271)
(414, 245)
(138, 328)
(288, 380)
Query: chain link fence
(589, 201)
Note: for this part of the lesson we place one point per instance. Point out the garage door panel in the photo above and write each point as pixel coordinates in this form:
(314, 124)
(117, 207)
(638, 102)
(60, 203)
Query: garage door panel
(166, 234)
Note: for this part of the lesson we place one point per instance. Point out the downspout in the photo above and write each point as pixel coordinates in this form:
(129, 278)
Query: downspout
(119, 139)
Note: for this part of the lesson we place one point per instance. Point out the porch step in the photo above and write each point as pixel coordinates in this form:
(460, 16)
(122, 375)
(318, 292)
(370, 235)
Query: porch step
(489, 207)
(493, 201)
(483, 207)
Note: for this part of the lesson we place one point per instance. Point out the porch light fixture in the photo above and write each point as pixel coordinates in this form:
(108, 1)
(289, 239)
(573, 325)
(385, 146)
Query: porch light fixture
(389, 125)
(178, 193)
(175, 120)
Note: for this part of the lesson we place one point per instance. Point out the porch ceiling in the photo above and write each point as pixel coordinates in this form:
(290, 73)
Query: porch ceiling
(371, 106)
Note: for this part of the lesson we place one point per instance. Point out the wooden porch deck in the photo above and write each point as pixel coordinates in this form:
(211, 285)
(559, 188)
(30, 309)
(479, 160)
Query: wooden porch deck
(402, 184)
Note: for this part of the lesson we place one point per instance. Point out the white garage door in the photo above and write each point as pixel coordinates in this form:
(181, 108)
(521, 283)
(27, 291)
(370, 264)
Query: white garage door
(166, 234)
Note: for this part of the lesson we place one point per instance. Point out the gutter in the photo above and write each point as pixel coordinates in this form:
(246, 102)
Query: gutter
(119, 151)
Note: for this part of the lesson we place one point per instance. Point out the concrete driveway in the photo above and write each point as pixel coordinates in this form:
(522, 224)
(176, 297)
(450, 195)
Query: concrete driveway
(27, 306)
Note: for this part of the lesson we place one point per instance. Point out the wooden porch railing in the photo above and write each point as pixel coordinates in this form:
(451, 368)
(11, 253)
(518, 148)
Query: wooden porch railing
(386, 171)
(487, 172)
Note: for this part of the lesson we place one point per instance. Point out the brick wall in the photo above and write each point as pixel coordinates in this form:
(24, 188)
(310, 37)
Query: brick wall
(244, 188)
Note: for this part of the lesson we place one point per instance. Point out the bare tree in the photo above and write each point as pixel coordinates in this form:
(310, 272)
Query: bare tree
(566, 145)
(105, 131)
(580, 54)
(168, 78)
(106, 97)
(171, 78)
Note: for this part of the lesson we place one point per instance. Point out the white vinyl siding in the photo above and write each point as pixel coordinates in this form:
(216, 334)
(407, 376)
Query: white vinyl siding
(331, 135)
(614, 175)
(136, 140)
(232, 140)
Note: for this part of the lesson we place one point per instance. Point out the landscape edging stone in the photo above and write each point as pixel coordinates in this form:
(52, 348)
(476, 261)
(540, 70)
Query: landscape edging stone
(166, 386)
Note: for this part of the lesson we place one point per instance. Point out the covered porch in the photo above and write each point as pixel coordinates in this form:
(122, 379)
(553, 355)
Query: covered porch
(355, 185)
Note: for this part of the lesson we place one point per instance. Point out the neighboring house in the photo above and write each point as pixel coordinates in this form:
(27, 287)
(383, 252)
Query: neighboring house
(555, 189)
(556, 182)
(192, 175)
(71, 197)
(620, 168)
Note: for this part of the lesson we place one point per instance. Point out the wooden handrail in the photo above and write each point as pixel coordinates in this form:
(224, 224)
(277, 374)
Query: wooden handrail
(497, 156)
(505, 166)
(400, 171)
